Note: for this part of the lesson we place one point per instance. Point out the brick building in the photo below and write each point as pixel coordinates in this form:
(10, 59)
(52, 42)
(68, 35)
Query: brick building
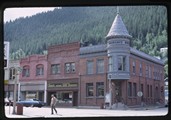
(119, 71)
(89, 76)
(33, 79)
(11, 77)
(63, 73)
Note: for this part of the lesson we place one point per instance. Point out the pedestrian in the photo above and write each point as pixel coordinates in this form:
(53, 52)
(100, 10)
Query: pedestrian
(53, 103)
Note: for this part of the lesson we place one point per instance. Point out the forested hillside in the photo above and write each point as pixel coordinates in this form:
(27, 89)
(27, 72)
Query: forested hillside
(33, 35)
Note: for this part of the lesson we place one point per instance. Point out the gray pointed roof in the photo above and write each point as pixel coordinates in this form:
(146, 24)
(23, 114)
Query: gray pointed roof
(118, 29)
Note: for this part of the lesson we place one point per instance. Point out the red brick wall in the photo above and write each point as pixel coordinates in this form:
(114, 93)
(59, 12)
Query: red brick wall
(61, 54)
(94, 78)
(33, 61)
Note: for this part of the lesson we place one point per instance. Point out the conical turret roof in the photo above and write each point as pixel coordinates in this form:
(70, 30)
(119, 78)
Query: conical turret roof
(118, 29)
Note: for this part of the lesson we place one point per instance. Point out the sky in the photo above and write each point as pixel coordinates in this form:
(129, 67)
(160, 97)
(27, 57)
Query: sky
(13, 13)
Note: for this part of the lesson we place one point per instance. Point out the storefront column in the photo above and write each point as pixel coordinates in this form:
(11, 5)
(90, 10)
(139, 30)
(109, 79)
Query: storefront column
(19, 91)
(45, 92)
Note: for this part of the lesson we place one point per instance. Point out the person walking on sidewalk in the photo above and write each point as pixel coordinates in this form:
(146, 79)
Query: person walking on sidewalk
(53, 103)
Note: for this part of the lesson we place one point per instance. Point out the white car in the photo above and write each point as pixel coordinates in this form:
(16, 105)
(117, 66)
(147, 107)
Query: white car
(166, 98)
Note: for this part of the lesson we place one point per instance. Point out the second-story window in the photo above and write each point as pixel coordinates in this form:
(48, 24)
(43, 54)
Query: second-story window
(133, 67)
(39, 70)
(55, 69)
(100, 66)
(149, 71)
(26, 71)
(121, 63)
(12, 73)
(90, 67)
(140, 69)
(146, 69)
(70, 68)
(110, 64)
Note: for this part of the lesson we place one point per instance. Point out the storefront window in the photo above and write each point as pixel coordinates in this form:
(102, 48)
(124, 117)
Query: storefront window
(89, 89)
(64, 97)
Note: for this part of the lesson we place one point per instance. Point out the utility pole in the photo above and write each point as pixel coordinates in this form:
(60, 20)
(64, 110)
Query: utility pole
(18, 70)
(15, 91)
(110, 92)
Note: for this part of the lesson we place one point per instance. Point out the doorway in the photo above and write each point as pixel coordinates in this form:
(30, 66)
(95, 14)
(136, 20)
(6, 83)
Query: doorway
(118, 91)
(75, 98)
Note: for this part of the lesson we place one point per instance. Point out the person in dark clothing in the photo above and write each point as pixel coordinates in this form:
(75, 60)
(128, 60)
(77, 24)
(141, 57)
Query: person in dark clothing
(53, 103)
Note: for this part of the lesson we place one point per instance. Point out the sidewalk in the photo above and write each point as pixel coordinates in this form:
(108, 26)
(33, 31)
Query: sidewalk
(139, 107)
(45, 112)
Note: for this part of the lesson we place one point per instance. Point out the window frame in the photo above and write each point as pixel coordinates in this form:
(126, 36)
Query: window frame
(12, 73)
(110, 64)
(90, 66)
(26, 71)
(99, 87)
(121, 63)
(56, 70)
(39, 70)
(89, 89)
(70, 67)
(100, 65)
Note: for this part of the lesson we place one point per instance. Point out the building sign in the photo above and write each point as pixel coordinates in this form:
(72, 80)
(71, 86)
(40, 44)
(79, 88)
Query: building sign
(6, 54)
(6, 82)
(61, 85)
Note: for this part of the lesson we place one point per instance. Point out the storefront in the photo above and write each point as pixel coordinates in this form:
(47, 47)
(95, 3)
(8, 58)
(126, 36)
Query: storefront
(66, 92)
(32, 89)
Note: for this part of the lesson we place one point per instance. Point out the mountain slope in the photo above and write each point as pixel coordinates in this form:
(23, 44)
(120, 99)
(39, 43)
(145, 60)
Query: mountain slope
(147, 25)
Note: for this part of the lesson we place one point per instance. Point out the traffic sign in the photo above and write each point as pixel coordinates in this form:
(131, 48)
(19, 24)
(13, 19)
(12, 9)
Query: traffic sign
(140, 94)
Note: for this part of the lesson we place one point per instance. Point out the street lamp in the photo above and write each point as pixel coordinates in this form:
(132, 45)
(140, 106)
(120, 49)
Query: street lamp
(15, 87)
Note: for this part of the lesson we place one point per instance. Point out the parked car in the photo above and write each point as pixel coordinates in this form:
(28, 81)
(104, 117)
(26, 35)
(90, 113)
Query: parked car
(32, 103)
(166, 98)
(8, 102)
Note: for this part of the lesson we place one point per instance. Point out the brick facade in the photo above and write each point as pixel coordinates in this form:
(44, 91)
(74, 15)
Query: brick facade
(33, 85)
(61, 84)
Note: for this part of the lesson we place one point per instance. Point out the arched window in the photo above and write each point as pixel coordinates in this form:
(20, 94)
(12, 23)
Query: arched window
(26, 71)
(39, 70)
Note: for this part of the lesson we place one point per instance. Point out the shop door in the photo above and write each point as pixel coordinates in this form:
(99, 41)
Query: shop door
(75, 98)
(118, 91)
(41, 96)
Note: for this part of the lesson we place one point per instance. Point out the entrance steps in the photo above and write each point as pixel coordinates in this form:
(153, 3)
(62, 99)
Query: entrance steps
(119, 106)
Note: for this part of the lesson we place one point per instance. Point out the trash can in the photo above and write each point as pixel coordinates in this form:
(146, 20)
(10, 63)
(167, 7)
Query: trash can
(19, 109)
(102, 106)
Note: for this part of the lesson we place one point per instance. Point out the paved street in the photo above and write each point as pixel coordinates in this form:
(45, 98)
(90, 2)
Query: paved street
(30, 112)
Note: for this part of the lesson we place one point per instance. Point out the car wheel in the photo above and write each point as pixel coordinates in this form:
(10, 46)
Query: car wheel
(32, 105)
(40, 106)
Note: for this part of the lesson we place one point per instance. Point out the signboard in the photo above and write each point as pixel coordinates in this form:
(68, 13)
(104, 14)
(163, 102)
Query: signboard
(107, 98)
(6, 54)
(59, 85)
(6, 82)
(140, 94)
